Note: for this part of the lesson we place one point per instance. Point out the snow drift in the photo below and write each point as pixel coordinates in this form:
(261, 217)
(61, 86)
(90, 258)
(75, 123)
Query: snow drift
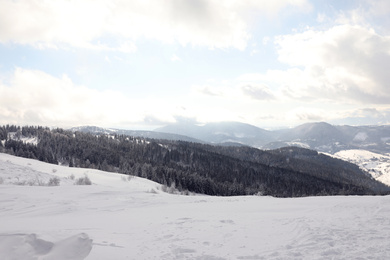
(29, 246)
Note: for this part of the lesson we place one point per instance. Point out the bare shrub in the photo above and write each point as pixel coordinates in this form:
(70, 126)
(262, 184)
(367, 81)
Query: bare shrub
(83, 181)
(171, 189)
(185, 192)
(55, 181)
(127, 178)
(164, 188)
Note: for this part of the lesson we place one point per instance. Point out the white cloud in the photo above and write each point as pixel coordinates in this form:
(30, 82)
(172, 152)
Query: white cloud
(343, 63)
(35, 97)
(305, 114)
(364, 116)
(127, 47)
(321, 17)
(83, 23)
(257, 92)
(379, 7)
(175, 58)
(266, 40)
(209, 90)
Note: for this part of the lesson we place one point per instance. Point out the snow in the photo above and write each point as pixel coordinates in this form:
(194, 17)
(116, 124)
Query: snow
(361, 136)
(120, 218)
(378, 165)
(29, 246)
(298, 144)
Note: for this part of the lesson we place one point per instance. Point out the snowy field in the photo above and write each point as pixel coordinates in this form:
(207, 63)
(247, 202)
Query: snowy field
(121, 218)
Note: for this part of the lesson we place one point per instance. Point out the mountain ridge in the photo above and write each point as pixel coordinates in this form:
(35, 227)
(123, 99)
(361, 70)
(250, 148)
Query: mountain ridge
(319, 136)
(221, 132)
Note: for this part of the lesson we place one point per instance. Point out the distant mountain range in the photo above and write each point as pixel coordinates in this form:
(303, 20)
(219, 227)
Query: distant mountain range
(135, 133)
(223, 132)
(321, 136)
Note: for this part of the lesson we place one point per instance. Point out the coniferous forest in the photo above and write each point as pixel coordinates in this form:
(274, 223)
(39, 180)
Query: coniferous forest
(195, 167)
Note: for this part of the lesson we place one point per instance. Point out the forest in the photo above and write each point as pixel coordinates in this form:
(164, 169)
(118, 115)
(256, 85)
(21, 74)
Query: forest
(195, 167)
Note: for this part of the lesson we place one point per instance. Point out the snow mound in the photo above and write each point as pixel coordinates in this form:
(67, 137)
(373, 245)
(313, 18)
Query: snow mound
(29, 246)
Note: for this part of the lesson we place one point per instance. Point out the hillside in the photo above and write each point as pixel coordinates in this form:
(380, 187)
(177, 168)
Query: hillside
(200, 168)
(121, 218)
(378, 165)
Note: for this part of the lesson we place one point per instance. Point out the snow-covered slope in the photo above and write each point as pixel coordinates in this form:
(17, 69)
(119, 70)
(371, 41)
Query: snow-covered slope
(121, 218)
(378, 165)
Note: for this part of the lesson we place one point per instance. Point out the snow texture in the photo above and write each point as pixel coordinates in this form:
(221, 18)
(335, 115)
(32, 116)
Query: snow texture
(131, 218)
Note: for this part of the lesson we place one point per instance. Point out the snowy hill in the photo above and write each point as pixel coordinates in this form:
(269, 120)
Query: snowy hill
(378, 165)
(121, 218)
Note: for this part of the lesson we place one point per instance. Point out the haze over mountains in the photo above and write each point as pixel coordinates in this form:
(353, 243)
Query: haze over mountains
(319, 136)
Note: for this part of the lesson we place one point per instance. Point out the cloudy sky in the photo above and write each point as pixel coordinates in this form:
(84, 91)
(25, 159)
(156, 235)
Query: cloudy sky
(142, 64)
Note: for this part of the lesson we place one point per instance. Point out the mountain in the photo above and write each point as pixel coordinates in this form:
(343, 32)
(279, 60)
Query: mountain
(222, 132)
(372, 138)
(321, 133)
(324, 137)
(319, 136)
(134, 133)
